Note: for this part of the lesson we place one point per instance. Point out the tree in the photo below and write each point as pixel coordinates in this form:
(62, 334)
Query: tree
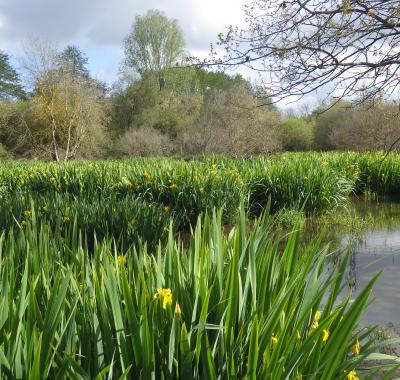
(232, 122)
(14, 135)
(154, 44)
(299, 46)
(10, 86)
(137, 102)
(74, 59)
(336, 114)
(357, 127)
(70, 108)
(67, 106)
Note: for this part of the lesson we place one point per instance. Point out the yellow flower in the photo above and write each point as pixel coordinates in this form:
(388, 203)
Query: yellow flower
(352, 375)
(178, 311)
(317, 316)
(121, 260)
(356, 348)
(298, 336)
(66, 219)
(166, 209)
(314, 325)
(147, 176)
(127, 183)
(165, 296)
(173, 186)
(27, 214)
(325, 335)
(274, 341)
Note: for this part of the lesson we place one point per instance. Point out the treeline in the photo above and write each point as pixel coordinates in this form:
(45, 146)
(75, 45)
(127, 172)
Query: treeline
(55, 109)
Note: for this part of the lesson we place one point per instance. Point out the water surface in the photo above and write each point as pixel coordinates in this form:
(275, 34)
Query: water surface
(374, 240)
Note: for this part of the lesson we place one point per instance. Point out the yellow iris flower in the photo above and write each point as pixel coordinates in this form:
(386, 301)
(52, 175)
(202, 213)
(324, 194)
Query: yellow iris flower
(352, 375)
(356, 348)
(325, 335)
(165, 296)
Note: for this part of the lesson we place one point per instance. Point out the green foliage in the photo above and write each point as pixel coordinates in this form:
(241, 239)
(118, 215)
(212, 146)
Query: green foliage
(358, 127)
(225, 306)
(312, 182)
(3, 153)
(296, 184)
(338, 115)
(10, 86)
(15, 117)
(141, 104)
(211, 81)
(96, 281)
(190, 188)
(125, 218)
(65, 114)
(296, 134)
(74, 59)
(186, 95)
(154, 44)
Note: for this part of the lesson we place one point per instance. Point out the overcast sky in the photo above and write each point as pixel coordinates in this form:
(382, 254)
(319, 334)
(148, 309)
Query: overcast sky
(99, 26)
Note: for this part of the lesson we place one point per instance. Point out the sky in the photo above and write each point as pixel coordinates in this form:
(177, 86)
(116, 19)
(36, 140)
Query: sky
(99, 26)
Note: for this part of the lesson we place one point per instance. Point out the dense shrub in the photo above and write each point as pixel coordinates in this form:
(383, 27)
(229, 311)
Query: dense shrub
(296, 134)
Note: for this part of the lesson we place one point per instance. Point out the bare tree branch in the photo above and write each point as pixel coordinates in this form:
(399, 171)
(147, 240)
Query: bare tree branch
(300, 46)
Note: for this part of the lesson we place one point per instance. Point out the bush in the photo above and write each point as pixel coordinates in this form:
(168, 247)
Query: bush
(232, 123)
(3, 153)
(296, 134)
(144, 142)
(365, 127)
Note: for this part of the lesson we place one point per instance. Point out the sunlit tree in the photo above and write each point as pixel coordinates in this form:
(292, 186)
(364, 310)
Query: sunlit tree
(154, 44)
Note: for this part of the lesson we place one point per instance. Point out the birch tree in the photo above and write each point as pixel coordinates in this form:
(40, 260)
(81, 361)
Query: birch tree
(68, 106)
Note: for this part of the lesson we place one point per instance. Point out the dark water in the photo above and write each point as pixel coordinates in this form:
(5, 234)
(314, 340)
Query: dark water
(374, 240)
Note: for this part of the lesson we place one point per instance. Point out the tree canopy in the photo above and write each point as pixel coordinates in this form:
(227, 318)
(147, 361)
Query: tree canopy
(10, 86)
(154, 44)
(74, 59)
(349, 46)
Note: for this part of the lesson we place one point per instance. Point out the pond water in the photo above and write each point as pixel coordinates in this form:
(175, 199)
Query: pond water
(373, 236)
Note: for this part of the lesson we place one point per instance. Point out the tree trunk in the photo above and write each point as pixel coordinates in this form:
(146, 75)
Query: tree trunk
(54, 153)
(68, 144)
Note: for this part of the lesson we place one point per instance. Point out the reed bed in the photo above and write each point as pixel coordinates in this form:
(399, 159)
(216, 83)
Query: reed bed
(125, 270)
(234, 305)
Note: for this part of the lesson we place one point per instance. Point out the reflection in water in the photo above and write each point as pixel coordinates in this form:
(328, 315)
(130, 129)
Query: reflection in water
(352, 277)
(371, 230)
(376, 248)
(386, 303)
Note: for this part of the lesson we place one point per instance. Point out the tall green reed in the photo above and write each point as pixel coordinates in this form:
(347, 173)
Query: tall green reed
(246, 304)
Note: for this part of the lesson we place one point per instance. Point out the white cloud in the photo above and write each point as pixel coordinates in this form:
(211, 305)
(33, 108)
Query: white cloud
(99, 26)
